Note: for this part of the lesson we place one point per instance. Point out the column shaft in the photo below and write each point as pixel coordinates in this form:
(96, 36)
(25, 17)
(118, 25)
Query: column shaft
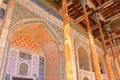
(93, 49)
(107, 58)
(118, 46)
(115, 58)
(116, 49)
(68, 46)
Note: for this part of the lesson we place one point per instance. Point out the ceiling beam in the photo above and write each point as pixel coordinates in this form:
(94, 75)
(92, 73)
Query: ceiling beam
(103, 5)
(90, 12)
(116, 37)
(98, 2)
(113, 17)
(81, 17)
(91, 5)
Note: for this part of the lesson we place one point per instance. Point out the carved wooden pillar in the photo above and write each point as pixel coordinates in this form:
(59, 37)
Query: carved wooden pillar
(68, 46)
(106, 55)
(116, 48)
(117, 42)
(92, 44)
(115, 58)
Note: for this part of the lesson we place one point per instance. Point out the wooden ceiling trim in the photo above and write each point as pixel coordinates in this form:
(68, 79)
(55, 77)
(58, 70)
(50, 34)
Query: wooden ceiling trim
(111, 7)
(91, 22)
(112, 18)
(82, 24)
(73, 3)
(90, 12)
(91, 5)
(101, 17)
(92, 19)
(103, 5)
(73, 8)
(69, 3)
(95, 3)
(81, 17)
(99, 2)
(94, 27)
(111, 12)
(102, 1)
(77, 15)
(117, 32)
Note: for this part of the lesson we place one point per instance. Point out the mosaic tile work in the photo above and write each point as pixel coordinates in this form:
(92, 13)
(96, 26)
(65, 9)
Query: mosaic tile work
(35, 65)
(41, 71)
(21, 13)
(12, 62)
(2, 13)
(42, 12)
(38, 2)
(23, 69)
(27, 65)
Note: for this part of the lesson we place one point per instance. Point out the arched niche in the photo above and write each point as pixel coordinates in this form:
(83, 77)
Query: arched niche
(83, 58)
(85, 78)
(23, 68)
(34, 32)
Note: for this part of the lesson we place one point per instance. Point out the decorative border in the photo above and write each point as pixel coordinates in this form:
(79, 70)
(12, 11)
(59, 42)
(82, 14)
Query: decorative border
(41, 11)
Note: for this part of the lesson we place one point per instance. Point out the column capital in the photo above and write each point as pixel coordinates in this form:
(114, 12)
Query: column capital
(107, 27)
(83, 2)
(96, 17)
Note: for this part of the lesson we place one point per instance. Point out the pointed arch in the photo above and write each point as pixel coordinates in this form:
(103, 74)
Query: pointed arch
(23, 68)
(83, 58)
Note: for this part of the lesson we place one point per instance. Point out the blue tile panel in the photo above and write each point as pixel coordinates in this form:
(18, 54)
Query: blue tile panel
(41, 68)
(2, 13)
(46, 9)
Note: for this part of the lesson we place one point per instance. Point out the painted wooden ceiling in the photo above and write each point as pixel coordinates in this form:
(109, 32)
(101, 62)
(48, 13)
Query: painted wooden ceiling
(108, 10)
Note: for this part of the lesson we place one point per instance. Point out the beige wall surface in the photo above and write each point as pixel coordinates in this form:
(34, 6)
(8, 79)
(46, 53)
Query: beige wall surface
(1, 2)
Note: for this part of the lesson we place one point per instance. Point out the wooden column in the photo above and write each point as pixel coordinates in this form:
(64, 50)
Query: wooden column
(106, 55)
(116, 49)
(68, 46)
(115, 58)
(92, 45)
(117, 42)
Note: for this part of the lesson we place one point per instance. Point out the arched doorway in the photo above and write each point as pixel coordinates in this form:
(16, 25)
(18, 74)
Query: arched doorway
(23, 68)
(85, 78)
(37, 47)
(83, 59)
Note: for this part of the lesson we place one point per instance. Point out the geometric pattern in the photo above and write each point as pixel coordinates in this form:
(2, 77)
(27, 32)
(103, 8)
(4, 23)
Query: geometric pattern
(12, 62)
(23, 69)
(35, 65)
(41, 73)
(25, 41)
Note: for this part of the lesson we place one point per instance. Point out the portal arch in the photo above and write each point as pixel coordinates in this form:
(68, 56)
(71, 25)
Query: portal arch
(35, 32)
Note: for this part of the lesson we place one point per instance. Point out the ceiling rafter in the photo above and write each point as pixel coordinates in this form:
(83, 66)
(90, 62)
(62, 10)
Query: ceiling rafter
(108, 11)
